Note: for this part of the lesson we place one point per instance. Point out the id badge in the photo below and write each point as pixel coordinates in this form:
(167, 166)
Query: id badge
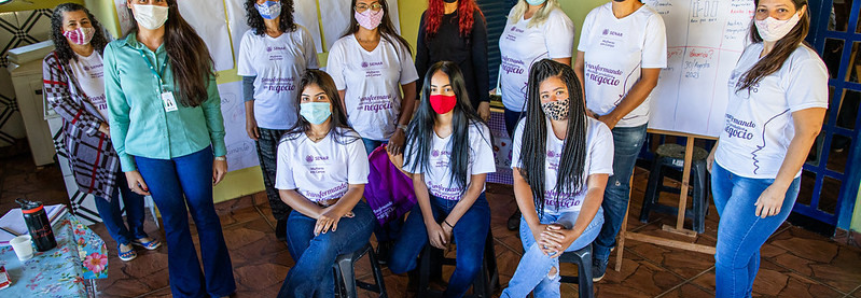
(168, 101)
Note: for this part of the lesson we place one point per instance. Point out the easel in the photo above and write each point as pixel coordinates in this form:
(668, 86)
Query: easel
(683, 201)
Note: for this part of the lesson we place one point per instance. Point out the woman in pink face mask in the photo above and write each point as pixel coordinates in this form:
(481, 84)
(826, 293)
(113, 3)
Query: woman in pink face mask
(448, 151)
(73, 79)
(373, 69)
(778, 96)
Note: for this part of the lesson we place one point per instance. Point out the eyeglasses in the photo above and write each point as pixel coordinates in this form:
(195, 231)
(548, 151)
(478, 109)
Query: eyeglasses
(364, 7)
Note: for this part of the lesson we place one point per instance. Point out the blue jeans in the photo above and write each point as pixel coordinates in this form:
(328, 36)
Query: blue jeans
(312, 276)
(741, 233)
(370, 145)
(175, 183)
(469, 233)
(112, 215)
(627, 142)
(534, 267)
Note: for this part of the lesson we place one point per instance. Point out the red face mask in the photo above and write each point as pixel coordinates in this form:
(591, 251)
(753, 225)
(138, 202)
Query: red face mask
(442, 104)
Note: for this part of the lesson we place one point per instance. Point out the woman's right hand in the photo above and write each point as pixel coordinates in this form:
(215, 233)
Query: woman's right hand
(105, 129)
(251, 128)
(436, 235)
(136, 183)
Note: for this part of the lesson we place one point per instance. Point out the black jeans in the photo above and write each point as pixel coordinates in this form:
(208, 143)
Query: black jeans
(267, 152)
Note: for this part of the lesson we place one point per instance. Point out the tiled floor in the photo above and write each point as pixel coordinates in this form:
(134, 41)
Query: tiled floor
(796, 263)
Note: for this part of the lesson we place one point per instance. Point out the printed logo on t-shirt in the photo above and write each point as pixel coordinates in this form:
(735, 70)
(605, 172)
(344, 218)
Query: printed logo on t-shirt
(448, 193)
(328, 194)
(737, 128)
(278, 85)
(611, 33)
(735, 83)
(375, 103)
(513, 37)
(443, 159)
(99, 102)
(565, 200)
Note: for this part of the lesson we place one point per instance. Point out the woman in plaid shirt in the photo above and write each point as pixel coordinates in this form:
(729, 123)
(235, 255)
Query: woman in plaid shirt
(74, 87)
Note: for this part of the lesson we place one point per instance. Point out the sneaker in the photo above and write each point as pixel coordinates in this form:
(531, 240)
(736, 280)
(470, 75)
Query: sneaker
(599, 268)
(281, 230)
(514, 221)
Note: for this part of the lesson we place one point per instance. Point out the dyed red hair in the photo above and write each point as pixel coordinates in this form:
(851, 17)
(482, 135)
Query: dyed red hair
(436, 9)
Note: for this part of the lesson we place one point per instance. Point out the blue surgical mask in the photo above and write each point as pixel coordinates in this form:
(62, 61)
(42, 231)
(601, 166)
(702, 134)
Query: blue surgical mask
(269, 10)
(315, 112)
(535, 2)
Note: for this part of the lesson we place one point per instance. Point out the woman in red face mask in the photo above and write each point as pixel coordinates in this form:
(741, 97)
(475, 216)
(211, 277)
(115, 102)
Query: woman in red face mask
(448, 149)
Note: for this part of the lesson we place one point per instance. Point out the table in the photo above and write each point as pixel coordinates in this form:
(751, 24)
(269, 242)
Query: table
(64, 271)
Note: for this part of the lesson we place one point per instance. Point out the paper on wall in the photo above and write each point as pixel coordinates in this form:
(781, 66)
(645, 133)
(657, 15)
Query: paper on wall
(124, 17)
(207, 17)
(305, 14)
(241, 150)
(336, 18)
(705, 39)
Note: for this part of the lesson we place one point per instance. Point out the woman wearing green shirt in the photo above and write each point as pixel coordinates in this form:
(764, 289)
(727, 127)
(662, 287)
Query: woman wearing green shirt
(166, 126)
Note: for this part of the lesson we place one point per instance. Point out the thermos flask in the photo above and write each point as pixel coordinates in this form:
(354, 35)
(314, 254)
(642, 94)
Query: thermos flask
(38, 224)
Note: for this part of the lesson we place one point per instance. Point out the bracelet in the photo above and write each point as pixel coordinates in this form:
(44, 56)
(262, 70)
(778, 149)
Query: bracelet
(220, 158)
(402, 127)
(448, 224)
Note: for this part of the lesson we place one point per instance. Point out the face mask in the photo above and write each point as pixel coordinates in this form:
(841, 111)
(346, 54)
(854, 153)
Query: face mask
(535, 2)
(556, 110)
(442, 104)
(315, 112)
(269, 10)
(369, 19)
(150, 16)
(771, 29)
(80, 36)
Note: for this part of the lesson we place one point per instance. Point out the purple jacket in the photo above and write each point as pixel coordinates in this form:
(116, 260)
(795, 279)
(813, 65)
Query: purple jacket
(389, 192)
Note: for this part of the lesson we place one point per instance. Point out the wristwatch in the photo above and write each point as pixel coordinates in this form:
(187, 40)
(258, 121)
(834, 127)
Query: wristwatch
(220, 158)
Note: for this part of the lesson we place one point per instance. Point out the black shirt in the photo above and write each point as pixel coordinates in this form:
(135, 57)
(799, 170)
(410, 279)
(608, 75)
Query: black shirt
(470, 53)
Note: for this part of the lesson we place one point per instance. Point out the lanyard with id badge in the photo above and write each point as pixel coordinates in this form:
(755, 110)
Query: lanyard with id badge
(168, 101)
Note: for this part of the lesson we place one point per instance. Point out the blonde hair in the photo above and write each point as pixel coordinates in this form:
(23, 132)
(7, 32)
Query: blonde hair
(539, 18)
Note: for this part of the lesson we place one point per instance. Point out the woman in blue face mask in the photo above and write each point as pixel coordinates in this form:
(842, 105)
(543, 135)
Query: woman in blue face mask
(322, 172)
(536, 29)
(273, 55)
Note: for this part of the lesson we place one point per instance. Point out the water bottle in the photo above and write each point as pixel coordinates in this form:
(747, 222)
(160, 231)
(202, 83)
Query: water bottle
(38, 224)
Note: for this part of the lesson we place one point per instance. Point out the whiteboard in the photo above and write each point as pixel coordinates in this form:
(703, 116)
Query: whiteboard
(705, 39)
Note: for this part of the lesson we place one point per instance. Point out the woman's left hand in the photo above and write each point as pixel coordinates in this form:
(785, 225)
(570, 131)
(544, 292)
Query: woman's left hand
(219, 169)
(555, 239)
(396, 142)
(769, 202)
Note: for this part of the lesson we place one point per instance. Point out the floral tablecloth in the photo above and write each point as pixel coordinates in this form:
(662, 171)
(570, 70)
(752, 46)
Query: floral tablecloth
(60, 272)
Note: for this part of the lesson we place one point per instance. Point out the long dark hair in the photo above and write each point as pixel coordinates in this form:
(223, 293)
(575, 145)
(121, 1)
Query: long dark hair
(571, 170)
(190, 61)
(339, 118)
(285, 20)
(465, 10)
(420, 132)
(782, 49)
(387, 28)
(61, 45)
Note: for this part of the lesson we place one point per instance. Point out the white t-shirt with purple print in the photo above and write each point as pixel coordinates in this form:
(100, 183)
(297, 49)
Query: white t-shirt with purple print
(278, 63)
(438, 175)
(373, 83)
(323, 170)
(599, 160)
(759, 125)
(90, 74)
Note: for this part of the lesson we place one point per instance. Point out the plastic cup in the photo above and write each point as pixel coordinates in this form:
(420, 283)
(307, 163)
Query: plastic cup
(23, 246)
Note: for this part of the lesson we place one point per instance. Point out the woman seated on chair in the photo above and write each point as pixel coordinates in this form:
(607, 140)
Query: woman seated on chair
(322, 172)
(448, 150)
(560, 170)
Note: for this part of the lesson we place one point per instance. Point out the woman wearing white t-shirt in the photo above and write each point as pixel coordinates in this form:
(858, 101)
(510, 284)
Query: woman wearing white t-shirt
(73, 76)
(322, 172)
(560, 168)
(371, 65)
(623, 47)
(449, 151)
(536, 29)
(778, 95)
(273, 55)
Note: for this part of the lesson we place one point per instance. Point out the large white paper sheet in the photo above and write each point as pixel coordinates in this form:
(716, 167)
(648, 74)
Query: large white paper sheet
(241, 150)
(705, 38)
(125, 18)
(304, 13)
(207, 17)
(336, 18)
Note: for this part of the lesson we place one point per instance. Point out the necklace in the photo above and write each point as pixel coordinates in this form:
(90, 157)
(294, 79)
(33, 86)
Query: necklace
(315, 139)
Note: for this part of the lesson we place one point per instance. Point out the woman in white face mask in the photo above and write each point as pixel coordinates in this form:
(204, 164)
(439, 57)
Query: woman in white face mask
(777, 101)
(73, 79)
(166, 125)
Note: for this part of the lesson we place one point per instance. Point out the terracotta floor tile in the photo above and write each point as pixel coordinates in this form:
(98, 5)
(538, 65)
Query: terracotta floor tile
(686, 264)
(857, 293)
(808, 254)
(688, 290)
(775, 281)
